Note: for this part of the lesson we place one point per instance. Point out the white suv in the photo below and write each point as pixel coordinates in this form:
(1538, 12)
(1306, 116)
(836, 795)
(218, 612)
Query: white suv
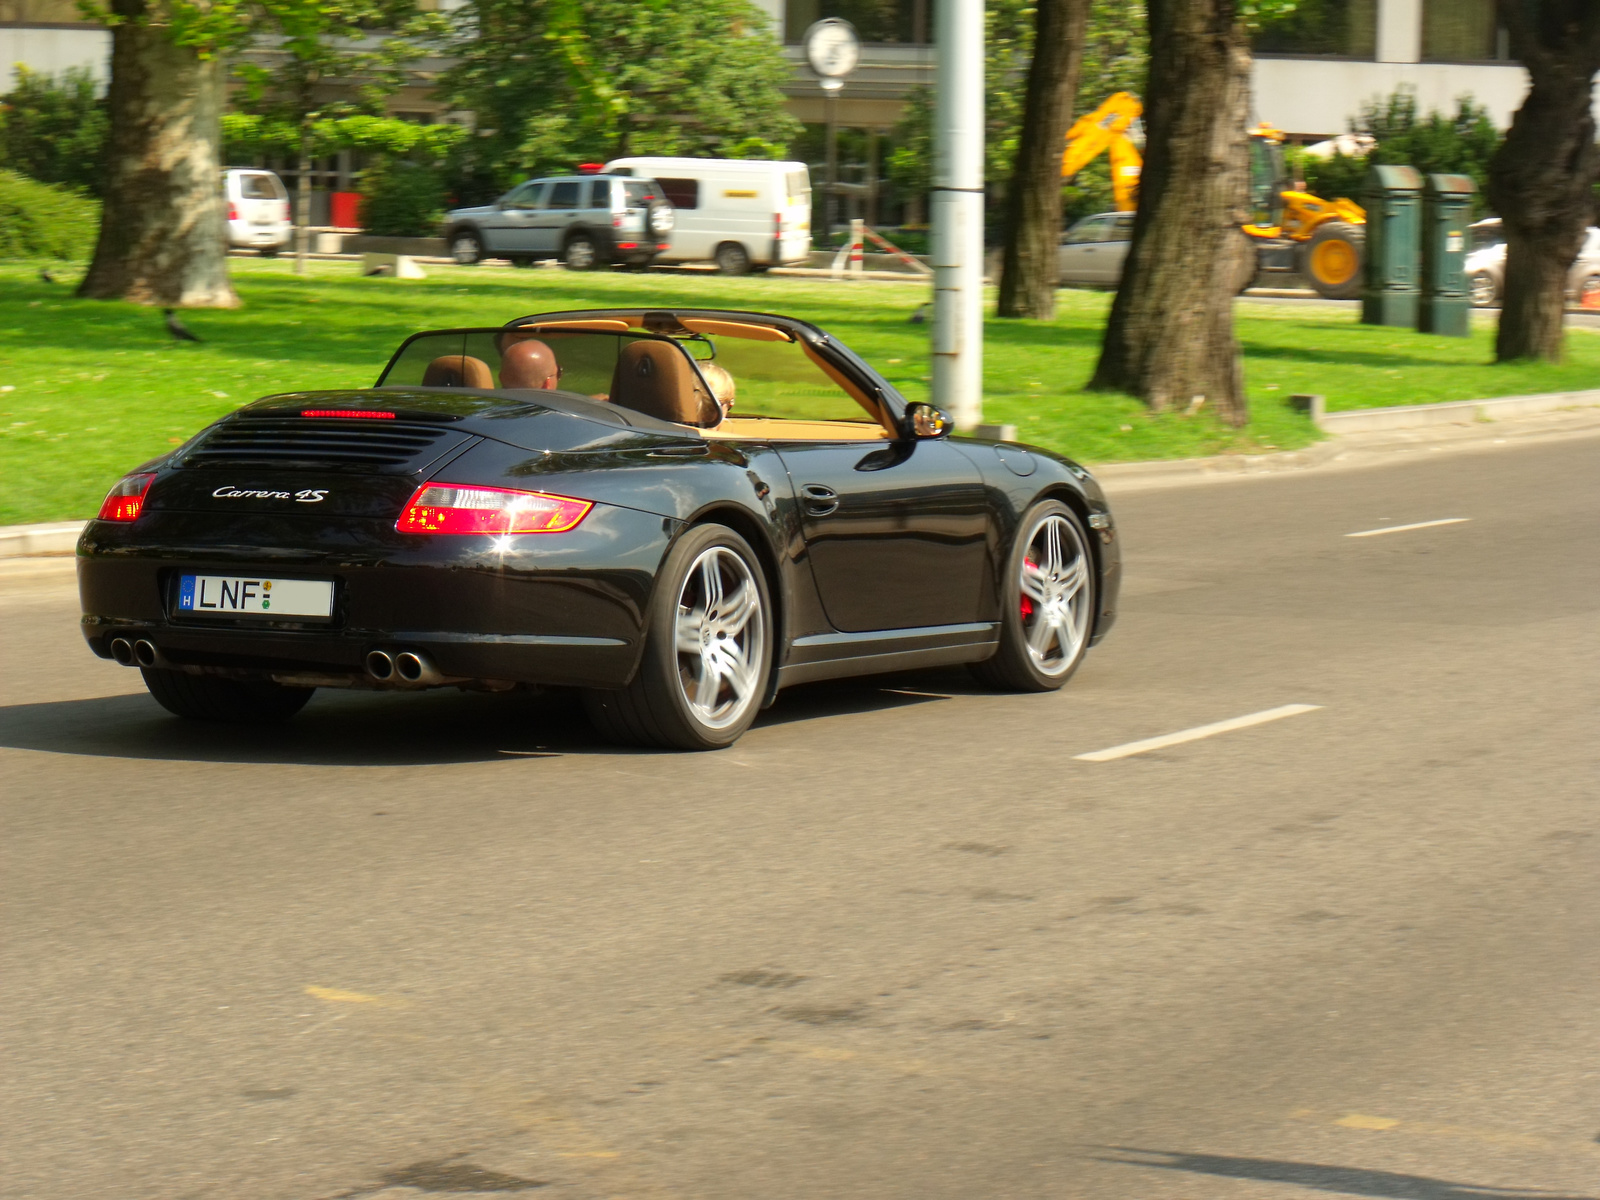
(258, 210)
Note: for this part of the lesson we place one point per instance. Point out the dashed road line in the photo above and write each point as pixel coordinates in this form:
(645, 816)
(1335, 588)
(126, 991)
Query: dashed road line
(1413, 525)
(1198, 732)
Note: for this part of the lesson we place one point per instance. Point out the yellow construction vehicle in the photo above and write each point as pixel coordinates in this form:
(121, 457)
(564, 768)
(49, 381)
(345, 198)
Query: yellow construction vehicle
(1325, 241)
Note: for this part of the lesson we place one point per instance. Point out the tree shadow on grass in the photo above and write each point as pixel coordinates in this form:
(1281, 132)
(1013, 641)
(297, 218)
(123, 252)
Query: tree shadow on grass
(1319, 1177)
(1323, 356)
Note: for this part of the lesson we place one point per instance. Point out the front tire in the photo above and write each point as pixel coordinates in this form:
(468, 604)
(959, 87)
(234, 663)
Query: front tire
(1484, 292)
(708, 650)
(213, 698)
(466, 247)
(1047, 604)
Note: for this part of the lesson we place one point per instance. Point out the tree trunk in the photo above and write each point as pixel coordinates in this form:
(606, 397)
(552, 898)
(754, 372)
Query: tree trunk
(162, 239)
(1540, 177)
(1033, 205)
(1170, 338)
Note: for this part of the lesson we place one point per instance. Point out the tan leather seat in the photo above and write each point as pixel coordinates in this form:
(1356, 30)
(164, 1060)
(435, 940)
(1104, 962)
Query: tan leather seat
(656, 379)
(458, 370)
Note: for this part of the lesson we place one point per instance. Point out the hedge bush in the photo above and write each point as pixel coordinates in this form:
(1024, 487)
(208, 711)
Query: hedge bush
(38, 220)
(402, 199)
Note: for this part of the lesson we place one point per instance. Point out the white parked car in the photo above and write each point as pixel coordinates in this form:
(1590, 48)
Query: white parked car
(738, 213)
(258, 210)
(1486, 266)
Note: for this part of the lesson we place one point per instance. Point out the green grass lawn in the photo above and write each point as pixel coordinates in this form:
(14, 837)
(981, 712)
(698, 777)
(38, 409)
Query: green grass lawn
(89, 389)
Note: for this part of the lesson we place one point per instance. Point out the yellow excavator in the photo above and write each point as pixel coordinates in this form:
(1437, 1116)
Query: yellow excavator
(1324, 240)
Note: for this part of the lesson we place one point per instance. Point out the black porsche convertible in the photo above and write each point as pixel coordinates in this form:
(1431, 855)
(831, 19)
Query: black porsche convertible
(676, 512)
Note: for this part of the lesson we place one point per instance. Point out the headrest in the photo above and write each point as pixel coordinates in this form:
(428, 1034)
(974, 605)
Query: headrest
(528, 364)
(657, 379)
(458, 370)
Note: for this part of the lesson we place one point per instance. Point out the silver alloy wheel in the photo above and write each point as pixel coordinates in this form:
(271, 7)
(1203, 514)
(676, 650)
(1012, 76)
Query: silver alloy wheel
(580, 254)
(1482, 289)
(1055, 595)
(720, 637)
(466, 249)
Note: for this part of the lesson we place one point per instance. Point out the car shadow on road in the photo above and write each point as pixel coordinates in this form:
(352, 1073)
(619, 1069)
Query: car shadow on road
(1319, 1177)
(386, 729)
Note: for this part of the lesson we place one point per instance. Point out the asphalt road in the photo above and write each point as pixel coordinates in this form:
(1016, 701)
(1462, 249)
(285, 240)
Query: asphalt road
(899, 942)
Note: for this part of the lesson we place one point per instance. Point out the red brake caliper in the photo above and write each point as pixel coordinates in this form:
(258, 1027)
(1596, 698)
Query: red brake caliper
(1027, 604)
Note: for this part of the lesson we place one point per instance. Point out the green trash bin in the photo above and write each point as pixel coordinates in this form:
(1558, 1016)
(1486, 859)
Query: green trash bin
(1394, 209)
(1446, 298)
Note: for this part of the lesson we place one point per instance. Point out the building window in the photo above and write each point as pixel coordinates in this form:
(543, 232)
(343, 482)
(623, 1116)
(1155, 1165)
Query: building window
(1462, 31)
(1325, 28)
(907, 21)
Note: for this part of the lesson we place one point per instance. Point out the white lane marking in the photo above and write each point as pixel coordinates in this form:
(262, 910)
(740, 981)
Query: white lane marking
(1198, 732)
(1403, 528)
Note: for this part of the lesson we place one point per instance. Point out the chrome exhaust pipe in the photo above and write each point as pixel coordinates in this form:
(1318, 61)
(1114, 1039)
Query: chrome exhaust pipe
(144, 650)
(122, 651)
(380, 664)
(415, 668)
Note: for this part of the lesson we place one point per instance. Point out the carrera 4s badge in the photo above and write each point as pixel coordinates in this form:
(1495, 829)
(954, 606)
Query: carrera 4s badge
(303, 496)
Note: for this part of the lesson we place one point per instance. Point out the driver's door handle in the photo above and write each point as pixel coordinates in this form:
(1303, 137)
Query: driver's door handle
(818, 500)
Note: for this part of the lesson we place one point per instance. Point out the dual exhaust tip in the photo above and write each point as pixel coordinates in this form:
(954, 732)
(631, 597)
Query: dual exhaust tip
(406, 666)
(140, 653)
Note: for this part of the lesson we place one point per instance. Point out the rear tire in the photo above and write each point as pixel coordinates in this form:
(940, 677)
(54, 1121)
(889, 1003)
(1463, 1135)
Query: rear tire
(1333, 261)
(707, 654)
(732, 259)
(1484, 292)
(213, 698)
(580, 253)
(1047, 603)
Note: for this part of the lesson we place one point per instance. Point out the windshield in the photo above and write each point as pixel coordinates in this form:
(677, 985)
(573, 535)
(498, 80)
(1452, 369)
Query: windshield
(726, 373)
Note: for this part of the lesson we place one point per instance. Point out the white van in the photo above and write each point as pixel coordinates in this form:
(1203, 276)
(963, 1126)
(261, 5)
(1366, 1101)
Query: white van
(258, 210)
(739, 213)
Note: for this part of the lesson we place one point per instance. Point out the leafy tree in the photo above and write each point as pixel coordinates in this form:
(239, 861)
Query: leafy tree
(1541, 178)
(558, 82)
(1170, 338)
(1033, 202)
(54, 129)
(1458, 144)
(1115, 50)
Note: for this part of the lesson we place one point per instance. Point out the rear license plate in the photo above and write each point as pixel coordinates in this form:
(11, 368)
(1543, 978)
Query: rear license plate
(232, 595)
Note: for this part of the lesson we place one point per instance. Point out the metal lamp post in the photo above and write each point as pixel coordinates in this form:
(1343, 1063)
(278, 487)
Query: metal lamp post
(958, 212)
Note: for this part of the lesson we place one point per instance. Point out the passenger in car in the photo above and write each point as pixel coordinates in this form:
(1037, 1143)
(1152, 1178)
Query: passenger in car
(529, 364)
(722, 385)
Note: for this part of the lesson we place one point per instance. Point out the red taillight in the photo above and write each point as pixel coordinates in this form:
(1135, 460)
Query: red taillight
(233, 212)
(454, 508)
(616, 221)
(627, 245)
(125, 501)
(363, 414)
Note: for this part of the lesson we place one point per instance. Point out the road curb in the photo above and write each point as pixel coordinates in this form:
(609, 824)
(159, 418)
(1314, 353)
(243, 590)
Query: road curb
(1454, 412)
(29, 541)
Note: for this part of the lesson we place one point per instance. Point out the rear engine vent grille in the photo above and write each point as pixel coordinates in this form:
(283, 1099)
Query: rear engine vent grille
(302, 441)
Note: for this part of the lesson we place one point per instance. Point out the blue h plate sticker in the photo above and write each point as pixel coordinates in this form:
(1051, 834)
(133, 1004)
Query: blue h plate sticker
(186, 593)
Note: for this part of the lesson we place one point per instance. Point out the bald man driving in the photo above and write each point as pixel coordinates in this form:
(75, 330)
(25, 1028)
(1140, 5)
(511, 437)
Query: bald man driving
(529, 364)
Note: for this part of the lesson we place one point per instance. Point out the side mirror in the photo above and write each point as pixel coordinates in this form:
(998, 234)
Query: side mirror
(925, 421)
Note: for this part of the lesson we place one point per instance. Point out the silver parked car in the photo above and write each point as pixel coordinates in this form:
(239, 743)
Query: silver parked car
(1092, 251)
(583, 220)
(1486, 266)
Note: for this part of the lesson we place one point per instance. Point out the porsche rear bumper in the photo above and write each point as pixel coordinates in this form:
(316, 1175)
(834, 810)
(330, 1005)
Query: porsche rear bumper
(564, 609)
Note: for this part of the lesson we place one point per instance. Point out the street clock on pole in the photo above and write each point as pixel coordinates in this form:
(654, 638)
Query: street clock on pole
(832, 49)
